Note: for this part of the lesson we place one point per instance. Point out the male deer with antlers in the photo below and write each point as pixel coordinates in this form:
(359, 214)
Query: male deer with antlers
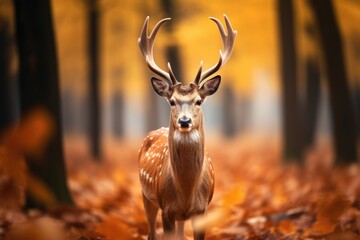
(175, 173)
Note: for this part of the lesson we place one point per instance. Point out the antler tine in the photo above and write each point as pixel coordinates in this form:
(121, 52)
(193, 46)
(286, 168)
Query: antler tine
(172, 75)
(228, 40)
(198, 75)
(146, 44)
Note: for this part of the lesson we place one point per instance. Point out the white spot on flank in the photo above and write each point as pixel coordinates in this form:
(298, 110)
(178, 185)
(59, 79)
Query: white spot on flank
(151, 138)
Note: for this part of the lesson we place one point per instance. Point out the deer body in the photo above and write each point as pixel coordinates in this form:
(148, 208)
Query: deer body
(175, 173)
(177, 179)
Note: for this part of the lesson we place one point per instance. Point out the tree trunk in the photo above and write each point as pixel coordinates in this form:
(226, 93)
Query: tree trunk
(311, 103)
(7, 116)
(288, 73)
(229, 113)
(342, 108)
(39, 87)
(357, 104)
(172, 51)
(117, 106)
(94, 83)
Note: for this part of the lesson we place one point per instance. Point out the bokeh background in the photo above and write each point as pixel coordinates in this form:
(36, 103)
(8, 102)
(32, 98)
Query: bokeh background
(250, 98)
(76, 102)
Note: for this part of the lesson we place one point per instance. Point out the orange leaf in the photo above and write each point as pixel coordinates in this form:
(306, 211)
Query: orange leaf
(287, 227)
(236, 195)
(331, 207)
(113, 228)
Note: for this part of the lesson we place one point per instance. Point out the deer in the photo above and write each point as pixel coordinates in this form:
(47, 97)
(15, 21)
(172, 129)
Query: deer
(176, 174)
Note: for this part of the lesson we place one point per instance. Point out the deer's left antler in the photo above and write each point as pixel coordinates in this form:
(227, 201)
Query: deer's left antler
(228, 40)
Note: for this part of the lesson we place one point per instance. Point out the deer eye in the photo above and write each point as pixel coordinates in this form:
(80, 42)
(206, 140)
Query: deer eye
(198, 102)
(172, 102)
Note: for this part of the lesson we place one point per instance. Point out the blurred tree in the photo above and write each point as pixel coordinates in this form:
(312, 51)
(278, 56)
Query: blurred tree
(117, 108)
(229, 111)
(310, 105)
(69, 110)
(6, 111)
(172, 50)
(357, 103)
(291, 123)
(342, 108)
(93, 75)
(355, 46)
(39, 86)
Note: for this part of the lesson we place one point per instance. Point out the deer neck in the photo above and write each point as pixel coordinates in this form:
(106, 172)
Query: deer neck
(186, 158)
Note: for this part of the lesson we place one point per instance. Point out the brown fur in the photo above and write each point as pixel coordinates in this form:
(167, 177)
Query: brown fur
(175, 174)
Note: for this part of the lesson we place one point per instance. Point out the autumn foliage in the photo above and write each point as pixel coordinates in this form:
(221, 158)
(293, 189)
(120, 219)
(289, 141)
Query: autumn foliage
(256, 196)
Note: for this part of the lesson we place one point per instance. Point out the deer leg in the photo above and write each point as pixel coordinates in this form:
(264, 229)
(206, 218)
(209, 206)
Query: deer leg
(151, 213)
(168, 225)
(198, 235)
(180, 230)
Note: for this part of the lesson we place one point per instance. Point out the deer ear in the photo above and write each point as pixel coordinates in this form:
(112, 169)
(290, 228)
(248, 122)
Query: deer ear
(161, 87)
(210, 86)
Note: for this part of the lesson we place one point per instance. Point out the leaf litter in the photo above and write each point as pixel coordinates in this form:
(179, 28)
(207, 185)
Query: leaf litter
(256, 197)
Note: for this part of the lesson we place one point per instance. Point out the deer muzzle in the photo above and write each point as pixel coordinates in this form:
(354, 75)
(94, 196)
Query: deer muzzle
(184, 124)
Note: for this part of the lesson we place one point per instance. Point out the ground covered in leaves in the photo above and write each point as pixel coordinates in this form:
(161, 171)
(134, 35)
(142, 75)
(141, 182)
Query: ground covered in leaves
(256, 197)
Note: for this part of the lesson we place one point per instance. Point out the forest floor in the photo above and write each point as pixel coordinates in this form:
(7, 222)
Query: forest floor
(256, 196)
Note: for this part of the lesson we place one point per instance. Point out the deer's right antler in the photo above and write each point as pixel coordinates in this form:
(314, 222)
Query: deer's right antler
(146, 44)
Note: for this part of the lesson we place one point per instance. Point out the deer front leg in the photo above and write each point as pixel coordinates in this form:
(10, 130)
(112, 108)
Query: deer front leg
(151, 213)
(168, 225)
(180, 230)
(198, 235)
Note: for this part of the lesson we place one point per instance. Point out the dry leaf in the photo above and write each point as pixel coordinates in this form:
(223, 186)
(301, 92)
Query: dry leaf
(236, 195)
(331, 207)
(287, 227)
(12, 179)
(215, 218)
(113, 228)
(39, 229)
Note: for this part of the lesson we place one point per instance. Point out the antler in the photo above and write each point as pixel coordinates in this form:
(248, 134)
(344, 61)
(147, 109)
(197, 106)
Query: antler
(228, 44)
(146, 44)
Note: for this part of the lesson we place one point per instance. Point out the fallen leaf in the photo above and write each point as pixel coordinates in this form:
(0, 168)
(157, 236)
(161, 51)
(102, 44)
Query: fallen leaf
(331, 207)
(236, 195)
(113, 228)
(215, 218)
(287, 227)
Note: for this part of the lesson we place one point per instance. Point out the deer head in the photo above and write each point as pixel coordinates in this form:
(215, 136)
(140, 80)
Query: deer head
(185, 100)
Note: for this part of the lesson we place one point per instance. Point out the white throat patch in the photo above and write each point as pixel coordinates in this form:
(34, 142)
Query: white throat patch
(187, 137)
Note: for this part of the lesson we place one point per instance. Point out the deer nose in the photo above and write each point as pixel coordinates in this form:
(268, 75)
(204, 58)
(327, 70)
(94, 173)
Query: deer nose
(184, 122)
